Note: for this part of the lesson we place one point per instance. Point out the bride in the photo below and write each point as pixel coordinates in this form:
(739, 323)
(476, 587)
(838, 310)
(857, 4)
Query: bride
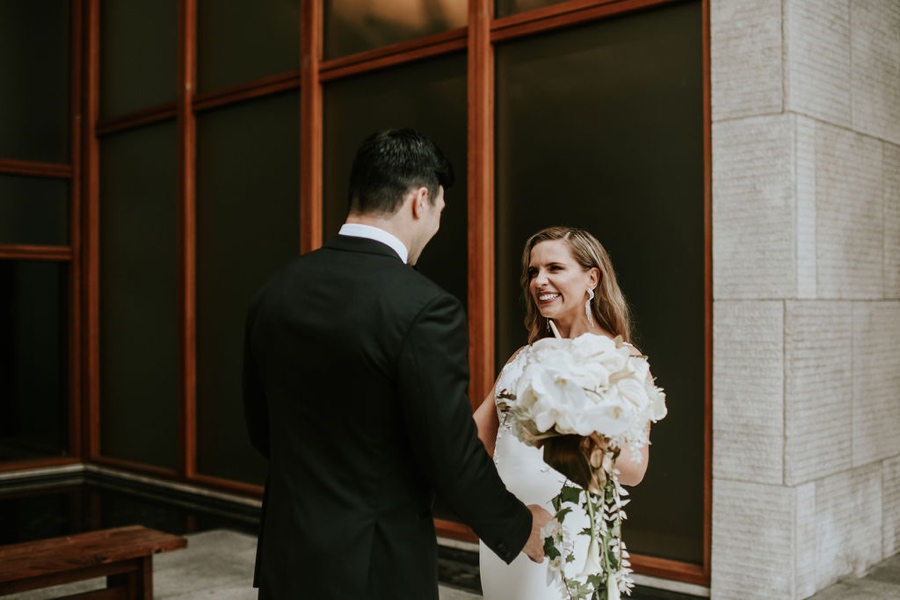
(567, 278)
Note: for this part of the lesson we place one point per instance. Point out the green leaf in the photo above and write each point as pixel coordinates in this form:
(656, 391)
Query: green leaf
(570, 494)
(550, 549)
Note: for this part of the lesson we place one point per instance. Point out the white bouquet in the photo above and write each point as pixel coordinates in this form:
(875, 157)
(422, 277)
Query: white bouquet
(582, 400)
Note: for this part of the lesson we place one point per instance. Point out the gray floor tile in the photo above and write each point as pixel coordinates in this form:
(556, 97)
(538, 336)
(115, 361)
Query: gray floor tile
(219, 565)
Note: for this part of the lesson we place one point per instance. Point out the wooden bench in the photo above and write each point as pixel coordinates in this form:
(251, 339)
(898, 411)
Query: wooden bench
(123, 555)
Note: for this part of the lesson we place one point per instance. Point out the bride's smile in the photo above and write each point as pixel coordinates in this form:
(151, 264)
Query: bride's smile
(558, 284)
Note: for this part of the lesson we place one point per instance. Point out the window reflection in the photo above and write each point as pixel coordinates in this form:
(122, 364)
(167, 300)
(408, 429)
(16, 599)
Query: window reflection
(512, 7)
(358, 25)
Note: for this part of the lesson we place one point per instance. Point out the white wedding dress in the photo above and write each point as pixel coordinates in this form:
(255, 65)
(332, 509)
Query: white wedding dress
(526, 475)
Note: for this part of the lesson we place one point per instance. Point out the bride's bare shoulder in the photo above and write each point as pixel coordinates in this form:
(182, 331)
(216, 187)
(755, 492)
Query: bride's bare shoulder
(516, 353)
(633, 349)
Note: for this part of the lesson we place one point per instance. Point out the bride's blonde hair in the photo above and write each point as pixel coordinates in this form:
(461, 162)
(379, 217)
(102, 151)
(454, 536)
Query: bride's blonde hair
(608, 307)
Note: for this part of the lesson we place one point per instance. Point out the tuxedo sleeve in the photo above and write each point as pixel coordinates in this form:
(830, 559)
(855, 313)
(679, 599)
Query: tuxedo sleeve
(434, 378)
(255, 407)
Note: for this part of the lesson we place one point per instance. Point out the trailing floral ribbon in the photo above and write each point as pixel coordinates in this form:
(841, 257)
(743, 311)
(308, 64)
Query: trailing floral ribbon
(607, 572)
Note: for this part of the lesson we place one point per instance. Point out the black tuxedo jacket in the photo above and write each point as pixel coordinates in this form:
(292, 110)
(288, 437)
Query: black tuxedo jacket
(355, 379)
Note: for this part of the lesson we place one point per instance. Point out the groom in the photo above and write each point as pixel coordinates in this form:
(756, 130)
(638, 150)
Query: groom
(355, 377)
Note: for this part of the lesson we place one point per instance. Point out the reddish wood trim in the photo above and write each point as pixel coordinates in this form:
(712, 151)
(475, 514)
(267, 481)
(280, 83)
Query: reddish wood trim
(134, 466)
(708, 295)
(187, 77)
(35, 169)
(310, 126)
(565, 15)
(669, 569)
(37, 463)
(75, 191)
(245, 91)
(29, 252)
(395, 54)
(146, 116)
(454, 530)
(228, 485)
(91, 238)
(481, 200)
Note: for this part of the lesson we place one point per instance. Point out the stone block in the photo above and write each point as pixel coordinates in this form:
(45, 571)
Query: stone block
(817, 49)
(849, 214)
(876, 381)
(805, 581)
(875, 68)
(748, 384)
(848, 523)
(805, 156)
(890, 486)
(753, 541)
(746, 58)
(818, 389)
(891, 220)
(753, 208)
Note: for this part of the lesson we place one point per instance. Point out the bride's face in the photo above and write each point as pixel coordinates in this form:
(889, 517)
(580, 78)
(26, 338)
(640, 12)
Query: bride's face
(557, 283)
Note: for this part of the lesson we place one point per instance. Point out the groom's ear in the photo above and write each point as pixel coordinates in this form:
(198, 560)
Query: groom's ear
(419, 201)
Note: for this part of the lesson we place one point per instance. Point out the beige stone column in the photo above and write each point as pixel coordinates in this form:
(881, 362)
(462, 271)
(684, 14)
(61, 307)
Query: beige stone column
(806, 286)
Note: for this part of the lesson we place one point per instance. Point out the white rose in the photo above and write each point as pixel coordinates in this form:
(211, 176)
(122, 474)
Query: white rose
(658, 408)
(634, 391)
(611, 416)
(559, 398)
(544, 346)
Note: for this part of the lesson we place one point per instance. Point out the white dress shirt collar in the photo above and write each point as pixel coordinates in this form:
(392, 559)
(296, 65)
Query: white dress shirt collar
(379, 235)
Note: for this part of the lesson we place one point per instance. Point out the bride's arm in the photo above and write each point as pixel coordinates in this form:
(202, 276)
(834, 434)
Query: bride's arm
(487, 422)
(632, 472)
(486, 419)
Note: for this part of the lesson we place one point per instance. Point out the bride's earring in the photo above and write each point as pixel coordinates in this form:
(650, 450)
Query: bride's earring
(587, 307)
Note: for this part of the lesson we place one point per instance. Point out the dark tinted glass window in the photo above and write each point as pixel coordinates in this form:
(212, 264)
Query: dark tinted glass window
(35, 58)
(601, 127)
(34, 210)
(242, 40)
(429, 96)
(248, 225)
(139, 327)
(34, 354)
(138, 55)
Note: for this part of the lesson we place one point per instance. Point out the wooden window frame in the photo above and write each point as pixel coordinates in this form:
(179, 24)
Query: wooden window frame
(69, 254)
(479, 37)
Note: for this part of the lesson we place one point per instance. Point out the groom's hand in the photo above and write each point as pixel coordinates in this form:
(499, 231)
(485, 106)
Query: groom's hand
(534, 547)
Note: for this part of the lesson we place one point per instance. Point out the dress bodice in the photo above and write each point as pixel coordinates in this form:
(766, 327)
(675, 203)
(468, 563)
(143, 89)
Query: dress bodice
(533, 481)
(521, 466)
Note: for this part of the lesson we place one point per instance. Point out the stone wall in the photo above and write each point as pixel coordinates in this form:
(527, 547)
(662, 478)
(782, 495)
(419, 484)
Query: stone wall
(806, 286)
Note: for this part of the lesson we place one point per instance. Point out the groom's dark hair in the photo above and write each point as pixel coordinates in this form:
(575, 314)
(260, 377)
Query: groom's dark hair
(390, 163)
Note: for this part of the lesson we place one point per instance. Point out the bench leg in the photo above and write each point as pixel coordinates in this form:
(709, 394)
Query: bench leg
(138, 583)
(145, 577)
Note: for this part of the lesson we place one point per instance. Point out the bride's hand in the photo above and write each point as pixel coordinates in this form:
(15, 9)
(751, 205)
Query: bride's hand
(534, 547)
